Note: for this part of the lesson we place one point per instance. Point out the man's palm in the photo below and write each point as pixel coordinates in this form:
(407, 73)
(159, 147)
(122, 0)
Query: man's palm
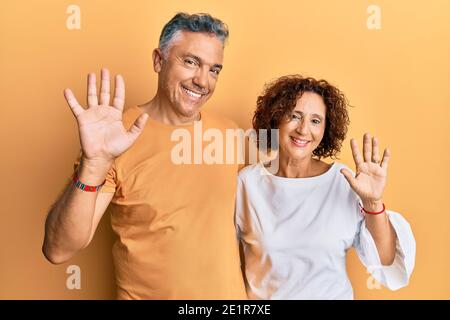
(102, 134)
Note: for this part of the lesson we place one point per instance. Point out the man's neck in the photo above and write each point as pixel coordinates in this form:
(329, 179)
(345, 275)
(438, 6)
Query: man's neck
(161, 111)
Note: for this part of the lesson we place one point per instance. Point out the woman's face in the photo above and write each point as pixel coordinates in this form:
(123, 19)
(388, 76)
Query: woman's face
(301, 132)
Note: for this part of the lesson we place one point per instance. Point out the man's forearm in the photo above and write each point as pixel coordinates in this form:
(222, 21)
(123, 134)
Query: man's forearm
(69, 223)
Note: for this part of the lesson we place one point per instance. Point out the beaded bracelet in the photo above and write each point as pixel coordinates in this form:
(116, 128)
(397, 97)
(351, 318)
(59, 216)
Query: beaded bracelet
(85, 187)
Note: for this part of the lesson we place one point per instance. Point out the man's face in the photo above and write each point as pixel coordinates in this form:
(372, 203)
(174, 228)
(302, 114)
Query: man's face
(189, 71)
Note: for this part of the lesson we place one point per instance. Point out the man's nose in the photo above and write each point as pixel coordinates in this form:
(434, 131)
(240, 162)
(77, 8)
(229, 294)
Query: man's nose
(201, 78)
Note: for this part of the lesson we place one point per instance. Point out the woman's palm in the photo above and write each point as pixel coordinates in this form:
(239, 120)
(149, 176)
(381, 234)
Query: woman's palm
(371, 175)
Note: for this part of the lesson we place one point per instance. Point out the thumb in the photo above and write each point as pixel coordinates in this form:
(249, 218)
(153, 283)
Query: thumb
(138, 126)
(349, 177)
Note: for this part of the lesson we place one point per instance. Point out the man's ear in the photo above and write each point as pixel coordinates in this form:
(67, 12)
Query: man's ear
(158, 59)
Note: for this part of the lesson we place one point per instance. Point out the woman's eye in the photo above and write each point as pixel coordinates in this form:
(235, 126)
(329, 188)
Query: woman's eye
(295, 117)
(316, 121)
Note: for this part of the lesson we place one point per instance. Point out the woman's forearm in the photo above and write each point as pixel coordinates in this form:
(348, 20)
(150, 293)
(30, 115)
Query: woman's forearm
(382, 232)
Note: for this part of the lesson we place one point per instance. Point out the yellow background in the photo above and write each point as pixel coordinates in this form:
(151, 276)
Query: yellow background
(398, 79)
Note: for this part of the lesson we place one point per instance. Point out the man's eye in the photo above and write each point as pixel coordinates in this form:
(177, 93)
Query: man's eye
(216, 71)
(190, 62)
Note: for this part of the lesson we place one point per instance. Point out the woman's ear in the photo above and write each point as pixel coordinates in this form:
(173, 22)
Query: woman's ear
(158, 59)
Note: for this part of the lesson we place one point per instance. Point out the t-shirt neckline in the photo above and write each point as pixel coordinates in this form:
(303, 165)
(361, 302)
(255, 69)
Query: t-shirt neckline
(284, 180)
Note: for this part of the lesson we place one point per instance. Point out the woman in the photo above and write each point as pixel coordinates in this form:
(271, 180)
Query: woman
(296, 225)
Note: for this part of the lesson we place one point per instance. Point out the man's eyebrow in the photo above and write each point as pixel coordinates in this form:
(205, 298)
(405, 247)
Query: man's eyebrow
(201, 61)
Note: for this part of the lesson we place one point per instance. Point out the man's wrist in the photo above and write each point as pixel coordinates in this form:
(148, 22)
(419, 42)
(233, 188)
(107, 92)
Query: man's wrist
(93, 172)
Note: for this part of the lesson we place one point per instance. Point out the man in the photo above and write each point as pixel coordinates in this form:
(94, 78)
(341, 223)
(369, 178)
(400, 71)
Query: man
(175, 224)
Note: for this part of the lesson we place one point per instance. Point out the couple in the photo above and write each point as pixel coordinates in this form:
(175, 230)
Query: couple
(176, 224)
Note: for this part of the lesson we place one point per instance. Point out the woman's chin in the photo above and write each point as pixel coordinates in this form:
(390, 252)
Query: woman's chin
(296, 153)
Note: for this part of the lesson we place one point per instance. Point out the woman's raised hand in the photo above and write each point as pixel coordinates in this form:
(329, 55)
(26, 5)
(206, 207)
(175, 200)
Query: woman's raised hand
(371, 173)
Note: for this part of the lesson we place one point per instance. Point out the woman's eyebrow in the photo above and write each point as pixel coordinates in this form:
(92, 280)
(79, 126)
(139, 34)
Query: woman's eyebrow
(318, 116)
(314, 114)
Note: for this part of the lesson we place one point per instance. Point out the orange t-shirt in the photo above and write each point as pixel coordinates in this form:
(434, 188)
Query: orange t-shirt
(174, 222)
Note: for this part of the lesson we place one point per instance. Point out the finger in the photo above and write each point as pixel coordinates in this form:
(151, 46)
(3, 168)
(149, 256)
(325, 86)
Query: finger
(104, 89)
(119, 93)
(375, 152)
(349, 177)
(367, 147)
(355, 152)
(386, 157)
(73, 103)
(138, 126)
(92, 99)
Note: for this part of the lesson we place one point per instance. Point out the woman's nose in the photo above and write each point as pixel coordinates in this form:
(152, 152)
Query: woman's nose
(302, 127)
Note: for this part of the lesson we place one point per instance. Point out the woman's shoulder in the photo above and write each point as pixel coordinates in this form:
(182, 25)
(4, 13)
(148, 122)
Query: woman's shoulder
(250, 171)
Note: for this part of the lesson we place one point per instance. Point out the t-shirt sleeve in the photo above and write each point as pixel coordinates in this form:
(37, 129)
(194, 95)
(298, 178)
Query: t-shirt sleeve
(110, 183)
(397, 275)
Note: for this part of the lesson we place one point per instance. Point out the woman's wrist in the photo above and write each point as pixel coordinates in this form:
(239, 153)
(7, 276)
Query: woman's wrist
(372, 205)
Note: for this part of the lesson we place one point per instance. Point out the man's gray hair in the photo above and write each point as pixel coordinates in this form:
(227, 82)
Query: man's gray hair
(200, 22)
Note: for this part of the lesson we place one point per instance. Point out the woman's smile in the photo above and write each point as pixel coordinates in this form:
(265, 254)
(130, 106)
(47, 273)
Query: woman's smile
(298, 142)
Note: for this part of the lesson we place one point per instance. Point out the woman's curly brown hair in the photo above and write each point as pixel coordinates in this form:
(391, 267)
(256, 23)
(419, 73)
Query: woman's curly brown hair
(279, 99)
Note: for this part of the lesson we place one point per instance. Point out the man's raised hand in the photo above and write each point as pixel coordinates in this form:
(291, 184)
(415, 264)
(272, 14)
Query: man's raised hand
(102, 134)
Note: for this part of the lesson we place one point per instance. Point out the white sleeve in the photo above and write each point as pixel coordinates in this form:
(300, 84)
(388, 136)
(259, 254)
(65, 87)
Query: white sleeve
(238, 207)
(396, 275)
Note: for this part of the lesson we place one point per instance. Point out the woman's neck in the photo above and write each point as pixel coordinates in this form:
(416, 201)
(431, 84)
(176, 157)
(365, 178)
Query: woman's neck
(300, 168)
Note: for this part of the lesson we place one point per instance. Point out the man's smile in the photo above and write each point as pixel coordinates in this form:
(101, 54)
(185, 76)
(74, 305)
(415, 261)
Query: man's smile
(192, 94)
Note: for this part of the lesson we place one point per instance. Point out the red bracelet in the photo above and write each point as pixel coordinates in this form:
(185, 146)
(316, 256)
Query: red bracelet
(85, 187)
(368, 212)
